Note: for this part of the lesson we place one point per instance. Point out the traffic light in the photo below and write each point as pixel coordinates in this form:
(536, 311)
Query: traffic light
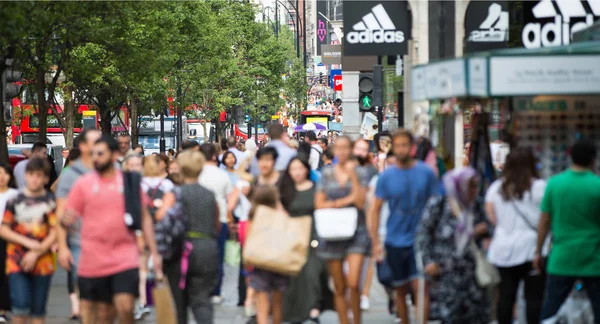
(320, 77)
(263, 114)
(10, 90)
(377, 86)
(365, 91)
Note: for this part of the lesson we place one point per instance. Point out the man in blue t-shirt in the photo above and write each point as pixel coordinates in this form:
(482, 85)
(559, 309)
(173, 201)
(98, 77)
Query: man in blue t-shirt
(406, 187)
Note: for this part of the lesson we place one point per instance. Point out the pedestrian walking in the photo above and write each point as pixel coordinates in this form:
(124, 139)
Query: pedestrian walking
(445, 238)
(38, 149)
(340, 187)
(69, 239)
(28, 227)
(570, 208)
(8, 191)
(109, 262)
(201, 210)
(406, 186)
(513, 207)
(285, 153)
(308, 293)
(133, 162)
(218, 182)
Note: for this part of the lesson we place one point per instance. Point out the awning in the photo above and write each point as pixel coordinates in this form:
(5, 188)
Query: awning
(564, 70)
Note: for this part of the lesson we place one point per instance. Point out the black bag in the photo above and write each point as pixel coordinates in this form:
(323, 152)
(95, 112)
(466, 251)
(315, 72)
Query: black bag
(156, 196)
(133, 200)
(321, 163)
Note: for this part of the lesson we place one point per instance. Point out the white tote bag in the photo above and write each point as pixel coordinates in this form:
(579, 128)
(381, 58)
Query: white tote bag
(336, 224)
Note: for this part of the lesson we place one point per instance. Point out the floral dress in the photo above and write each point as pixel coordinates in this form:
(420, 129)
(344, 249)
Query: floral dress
(455, 296)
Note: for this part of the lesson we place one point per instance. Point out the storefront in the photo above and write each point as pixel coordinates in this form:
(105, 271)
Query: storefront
(542, 98)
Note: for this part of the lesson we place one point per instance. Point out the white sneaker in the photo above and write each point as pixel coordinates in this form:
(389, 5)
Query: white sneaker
(141, 312)
(216, 300)
(3, 319)
(364, 303)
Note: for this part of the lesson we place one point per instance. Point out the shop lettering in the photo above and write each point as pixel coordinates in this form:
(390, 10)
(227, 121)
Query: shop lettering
(529, 105)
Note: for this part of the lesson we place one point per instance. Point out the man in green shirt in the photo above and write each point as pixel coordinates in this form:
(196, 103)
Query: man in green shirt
(571, 206)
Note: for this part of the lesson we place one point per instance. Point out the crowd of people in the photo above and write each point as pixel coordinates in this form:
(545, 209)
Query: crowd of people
(116, 218)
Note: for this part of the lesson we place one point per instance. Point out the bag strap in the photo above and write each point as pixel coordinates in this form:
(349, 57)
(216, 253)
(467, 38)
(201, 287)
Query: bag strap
(523, 217)
(155, 189)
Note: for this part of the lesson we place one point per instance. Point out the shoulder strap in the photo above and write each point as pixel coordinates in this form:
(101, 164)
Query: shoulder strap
(523, 217)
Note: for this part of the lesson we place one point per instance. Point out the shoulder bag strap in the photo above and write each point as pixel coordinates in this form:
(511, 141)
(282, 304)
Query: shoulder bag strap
(523, 217)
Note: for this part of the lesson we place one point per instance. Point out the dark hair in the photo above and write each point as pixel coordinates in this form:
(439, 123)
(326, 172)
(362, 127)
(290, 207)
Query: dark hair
(311, 136)
(276, 131)
(163, 157)
(231, 142)
(189, 144)
(171, 151)
(227, 154)
(583, 153)
(287, 188)
(518, 174)
(266, 195)
(265, 151)
(209, 151)
(38, 147)
(38, 164)
(11, 182)
(224, 144)
(403, 133)
(329, 153)
(74, 154)
(113, 145)
(304, 150)
(139, 146)
(423, 149)
(324, 140)
(123, 135)
(83, 137)
(380, 135)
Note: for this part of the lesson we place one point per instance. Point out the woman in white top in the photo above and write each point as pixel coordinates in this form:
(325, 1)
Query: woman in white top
(513, 205)
(7, 192)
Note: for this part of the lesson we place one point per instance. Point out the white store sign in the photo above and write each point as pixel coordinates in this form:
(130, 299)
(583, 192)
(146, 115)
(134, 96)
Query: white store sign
(574, 74)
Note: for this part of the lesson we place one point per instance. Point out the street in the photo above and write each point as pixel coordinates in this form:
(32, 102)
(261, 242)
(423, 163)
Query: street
(227, 313)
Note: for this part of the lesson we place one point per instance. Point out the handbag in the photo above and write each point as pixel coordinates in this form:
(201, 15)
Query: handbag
(486, 274)
(277, 242)
(164, 304)
(336, 224)
(233, 252)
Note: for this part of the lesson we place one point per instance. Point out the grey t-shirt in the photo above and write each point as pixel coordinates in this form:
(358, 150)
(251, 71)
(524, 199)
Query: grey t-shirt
(65, 184)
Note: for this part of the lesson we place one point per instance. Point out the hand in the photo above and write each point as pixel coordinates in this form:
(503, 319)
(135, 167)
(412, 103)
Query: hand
(233, 227)
(29, 260)
(433, 270)
(536, 262)
(32, 245)
(69, 218)
(481, 229)
(157, 265)
(65, 258)
(378, 252)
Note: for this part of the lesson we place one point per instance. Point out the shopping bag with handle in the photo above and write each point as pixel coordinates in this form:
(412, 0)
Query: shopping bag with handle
(233, 252)
(164, 304)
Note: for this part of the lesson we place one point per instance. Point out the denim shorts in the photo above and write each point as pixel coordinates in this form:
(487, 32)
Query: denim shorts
(403, 265)
(29, 294)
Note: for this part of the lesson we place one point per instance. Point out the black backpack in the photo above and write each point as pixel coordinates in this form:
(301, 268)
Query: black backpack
(320, 157)
(155, 194)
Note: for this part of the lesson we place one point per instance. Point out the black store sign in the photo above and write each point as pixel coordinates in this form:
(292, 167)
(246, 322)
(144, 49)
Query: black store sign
(376, 28)
(322, 25)
(486, 26)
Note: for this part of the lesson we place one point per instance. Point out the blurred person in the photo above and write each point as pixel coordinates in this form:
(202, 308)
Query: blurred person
(446, 234)
(28, 227)
(74, 155)
(133, 162)
(328, 157)
(124, 141)
(190, 145)
(323, 142)
(316, 151)
(108, 268)
(284, 152)
(308, 294)
(570, 208)
(383, 144)
(424, 151)
(69, 239)
(513, 207)
(139, 149)
(8, 191)
(339, 187)
(217, 181)
(406, 186)
(202, 211)
(294, 144)
(39, 149)
(467, 154)
(163, 165)
(61, 161)
(232, 147)
(171, 154)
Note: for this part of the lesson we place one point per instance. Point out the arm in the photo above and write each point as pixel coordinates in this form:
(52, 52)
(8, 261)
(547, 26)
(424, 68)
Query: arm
(425, 238)
(13, 237)
(321, 201)
(373, 218)
(169, 200)
(491, 213)
(543, 229)
(55, 185)
(148, 230)
(65, 257)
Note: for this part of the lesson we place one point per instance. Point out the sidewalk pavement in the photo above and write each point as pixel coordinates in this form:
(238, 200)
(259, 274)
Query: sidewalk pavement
(227, 313)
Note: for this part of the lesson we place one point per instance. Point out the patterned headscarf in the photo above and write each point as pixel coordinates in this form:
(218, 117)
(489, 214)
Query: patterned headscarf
(456, 185)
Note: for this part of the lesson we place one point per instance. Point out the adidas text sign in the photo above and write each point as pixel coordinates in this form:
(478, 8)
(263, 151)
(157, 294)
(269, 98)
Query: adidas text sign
(370, 30)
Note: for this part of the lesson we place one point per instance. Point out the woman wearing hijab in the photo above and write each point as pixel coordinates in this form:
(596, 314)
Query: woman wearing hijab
(445, 237)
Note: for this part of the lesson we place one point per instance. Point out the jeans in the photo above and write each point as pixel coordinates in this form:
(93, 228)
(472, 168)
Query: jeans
(72, 275)
(509, 284)
(558, 289)
(29, 294)
(223, 236)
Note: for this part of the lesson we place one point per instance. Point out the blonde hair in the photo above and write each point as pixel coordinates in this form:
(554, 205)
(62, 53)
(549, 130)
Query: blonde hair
(191, 163)
(151, 166)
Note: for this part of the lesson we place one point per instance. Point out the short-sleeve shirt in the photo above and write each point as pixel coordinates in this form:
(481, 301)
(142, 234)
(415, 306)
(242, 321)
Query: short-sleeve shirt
(217, 180)
(32, 217)
(407, 191)
(65, 183)
(108, 246)
(572, 199)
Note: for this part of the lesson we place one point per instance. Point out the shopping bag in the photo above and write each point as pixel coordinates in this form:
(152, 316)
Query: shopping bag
(277, 242)
(164, 304)
(233, 253)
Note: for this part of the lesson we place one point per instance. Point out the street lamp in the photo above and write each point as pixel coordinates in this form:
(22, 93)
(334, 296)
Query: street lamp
(298, 26)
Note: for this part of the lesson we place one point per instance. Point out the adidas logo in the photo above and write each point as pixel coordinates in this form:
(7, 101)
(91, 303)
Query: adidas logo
(375, 27)
(494, 28)
(560, 31)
